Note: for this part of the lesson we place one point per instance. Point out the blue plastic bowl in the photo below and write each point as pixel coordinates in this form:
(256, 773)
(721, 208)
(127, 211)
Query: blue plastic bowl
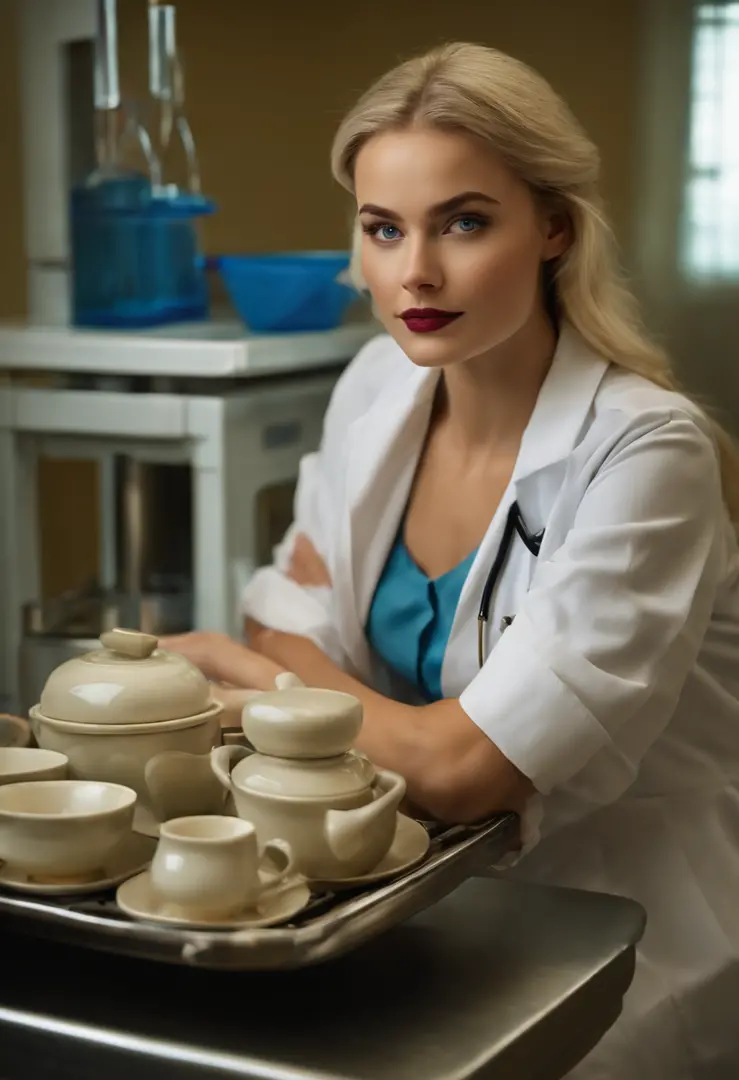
(291, 291)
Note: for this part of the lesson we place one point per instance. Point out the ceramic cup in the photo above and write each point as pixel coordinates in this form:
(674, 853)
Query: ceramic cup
(63, 830)
(211, 867)
(22, 763)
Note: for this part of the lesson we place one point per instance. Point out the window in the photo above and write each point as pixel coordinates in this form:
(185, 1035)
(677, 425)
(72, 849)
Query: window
(710, 235)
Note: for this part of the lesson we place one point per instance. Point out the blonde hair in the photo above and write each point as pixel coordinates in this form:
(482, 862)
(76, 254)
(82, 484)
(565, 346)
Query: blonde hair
(483, 92)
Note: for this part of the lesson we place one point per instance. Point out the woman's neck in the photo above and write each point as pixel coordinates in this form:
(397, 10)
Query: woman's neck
(487, 401)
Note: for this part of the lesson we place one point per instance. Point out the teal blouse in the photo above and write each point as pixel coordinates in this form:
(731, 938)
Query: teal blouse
(411, 617)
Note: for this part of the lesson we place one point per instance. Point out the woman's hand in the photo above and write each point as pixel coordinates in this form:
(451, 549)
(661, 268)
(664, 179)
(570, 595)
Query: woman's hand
(223, 660)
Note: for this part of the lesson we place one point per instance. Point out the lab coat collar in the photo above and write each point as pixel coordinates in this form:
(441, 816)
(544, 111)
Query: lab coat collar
(563, 405)
(390, 435)
(384, 448)
(562, 408)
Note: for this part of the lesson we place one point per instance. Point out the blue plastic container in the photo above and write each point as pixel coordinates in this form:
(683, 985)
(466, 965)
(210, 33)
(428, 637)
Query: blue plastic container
(288, 292)
(135, 256)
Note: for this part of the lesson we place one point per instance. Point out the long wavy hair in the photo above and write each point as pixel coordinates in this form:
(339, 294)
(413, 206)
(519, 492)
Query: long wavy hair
(483, 92)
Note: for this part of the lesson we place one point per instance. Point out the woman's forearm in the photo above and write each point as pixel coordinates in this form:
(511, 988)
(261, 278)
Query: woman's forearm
(223, 660)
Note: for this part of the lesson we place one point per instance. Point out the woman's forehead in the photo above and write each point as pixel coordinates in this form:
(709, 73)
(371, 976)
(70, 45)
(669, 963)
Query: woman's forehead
(426, 167)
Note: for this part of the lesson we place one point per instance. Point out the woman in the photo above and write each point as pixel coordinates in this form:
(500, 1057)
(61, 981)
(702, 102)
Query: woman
(515, 379)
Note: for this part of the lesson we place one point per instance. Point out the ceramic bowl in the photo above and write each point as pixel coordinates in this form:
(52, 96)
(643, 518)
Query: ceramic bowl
(119, 754)
(23, 763)
(63, 829)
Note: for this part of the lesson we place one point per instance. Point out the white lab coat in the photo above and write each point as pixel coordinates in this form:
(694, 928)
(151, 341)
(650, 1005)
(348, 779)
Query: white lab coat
(616, 688)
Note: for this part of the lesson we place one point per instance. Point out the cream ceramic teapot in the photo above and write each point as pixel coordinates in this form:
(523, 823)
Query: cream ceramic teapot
(133, 714)
(302, 783)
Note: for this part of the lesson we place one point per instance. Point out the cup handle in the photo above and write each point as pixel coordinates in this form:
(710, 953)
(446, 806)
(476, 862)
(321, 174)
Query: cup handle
(223, 759)
(283, 851)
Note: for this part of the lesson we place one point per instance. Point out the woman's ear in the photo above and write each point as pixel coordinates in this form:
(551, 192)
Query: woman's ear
(557, 234)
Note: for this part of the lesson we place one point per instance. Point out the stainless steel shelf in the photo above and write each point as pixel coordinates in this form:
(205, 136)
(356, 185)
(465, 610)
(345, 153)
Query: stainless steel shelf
(332, 924)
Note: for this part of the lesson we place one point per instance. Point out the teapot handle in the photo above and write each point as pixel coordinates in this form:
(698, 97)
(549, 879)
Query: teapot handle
(223, 759)
(387, 787)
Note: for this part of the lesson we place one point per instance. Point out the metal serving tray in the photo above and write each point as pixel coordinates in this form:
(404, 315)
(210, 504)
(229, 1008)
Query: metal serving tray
(331, 924)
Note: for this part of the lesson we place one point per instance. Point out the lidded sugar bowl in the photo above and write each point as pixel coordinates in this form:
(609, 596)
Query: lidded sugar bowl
(125, 713)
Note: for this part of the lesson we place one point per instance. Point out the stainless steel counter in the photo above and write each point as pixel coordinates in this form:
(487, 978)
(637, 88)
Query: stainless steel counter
(499, 980)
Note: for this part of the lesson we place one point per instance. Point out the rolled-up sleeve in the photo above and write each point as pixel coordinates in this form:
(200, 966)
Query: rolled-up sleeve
(598, 653)
(272, 598)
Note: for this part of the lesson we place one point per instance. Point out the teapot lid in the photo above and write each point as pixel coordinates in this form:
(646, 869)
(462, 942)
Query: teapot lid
(128, 681)
(345, 774)
(301, 722)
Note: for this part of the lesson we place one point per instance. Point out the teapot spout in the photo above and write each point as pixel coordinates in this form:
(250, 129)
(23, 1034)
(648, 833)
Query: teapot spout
(349, 833)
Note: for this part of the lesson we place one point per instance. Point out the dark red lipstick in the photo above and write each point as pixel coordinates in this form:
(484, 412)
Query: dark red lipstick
(425, 320)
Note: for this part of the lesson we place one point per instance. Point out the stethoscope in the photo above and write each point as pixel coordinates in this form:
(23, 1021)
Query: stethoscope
(514, 524)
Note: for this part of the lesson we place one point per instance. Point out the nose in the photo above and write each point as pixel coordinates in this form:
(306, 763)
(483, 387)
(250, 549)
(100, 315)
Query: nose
(422, 271)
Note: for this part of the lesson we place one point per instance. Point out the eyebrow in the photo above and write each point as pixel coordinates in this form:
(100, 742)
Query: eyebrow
(440, 208)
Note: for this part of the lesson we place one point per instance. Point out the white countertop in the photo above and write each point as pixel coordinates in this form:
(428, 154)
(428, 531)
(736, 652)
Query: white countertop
(217, 349)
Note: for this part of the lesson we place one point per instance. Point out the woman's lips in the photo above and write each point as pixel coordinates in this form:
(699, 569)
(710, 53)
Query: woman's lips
(424, 322)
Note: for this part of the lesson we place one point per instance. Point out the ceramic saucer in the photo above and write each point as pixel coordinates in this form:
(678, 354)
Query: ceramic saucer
(136, 897)
(410, 845)
(144, 822)
(14, 730)
(133, 856)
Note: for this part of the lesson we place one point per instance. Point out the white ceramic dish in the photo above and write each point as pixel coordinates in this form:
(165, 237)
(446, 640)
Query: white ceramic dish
(127, 681)
(410, 846)
(20, 764)
(210, 867)
(136, 898)
(144, 822)
(133, 856)
(116, 708)
(121, 755)
(63, 831)
(332, 806)
(301, 722)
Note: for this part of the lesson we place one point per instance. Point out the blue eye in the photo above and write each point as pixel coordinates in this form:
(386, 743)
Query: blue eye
(385, 233)
(468, 224)
(384, 230)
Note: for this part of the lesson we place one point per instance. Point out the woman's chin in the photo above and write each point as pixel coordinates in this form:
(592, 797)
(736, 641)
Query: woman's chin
(430, 354)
